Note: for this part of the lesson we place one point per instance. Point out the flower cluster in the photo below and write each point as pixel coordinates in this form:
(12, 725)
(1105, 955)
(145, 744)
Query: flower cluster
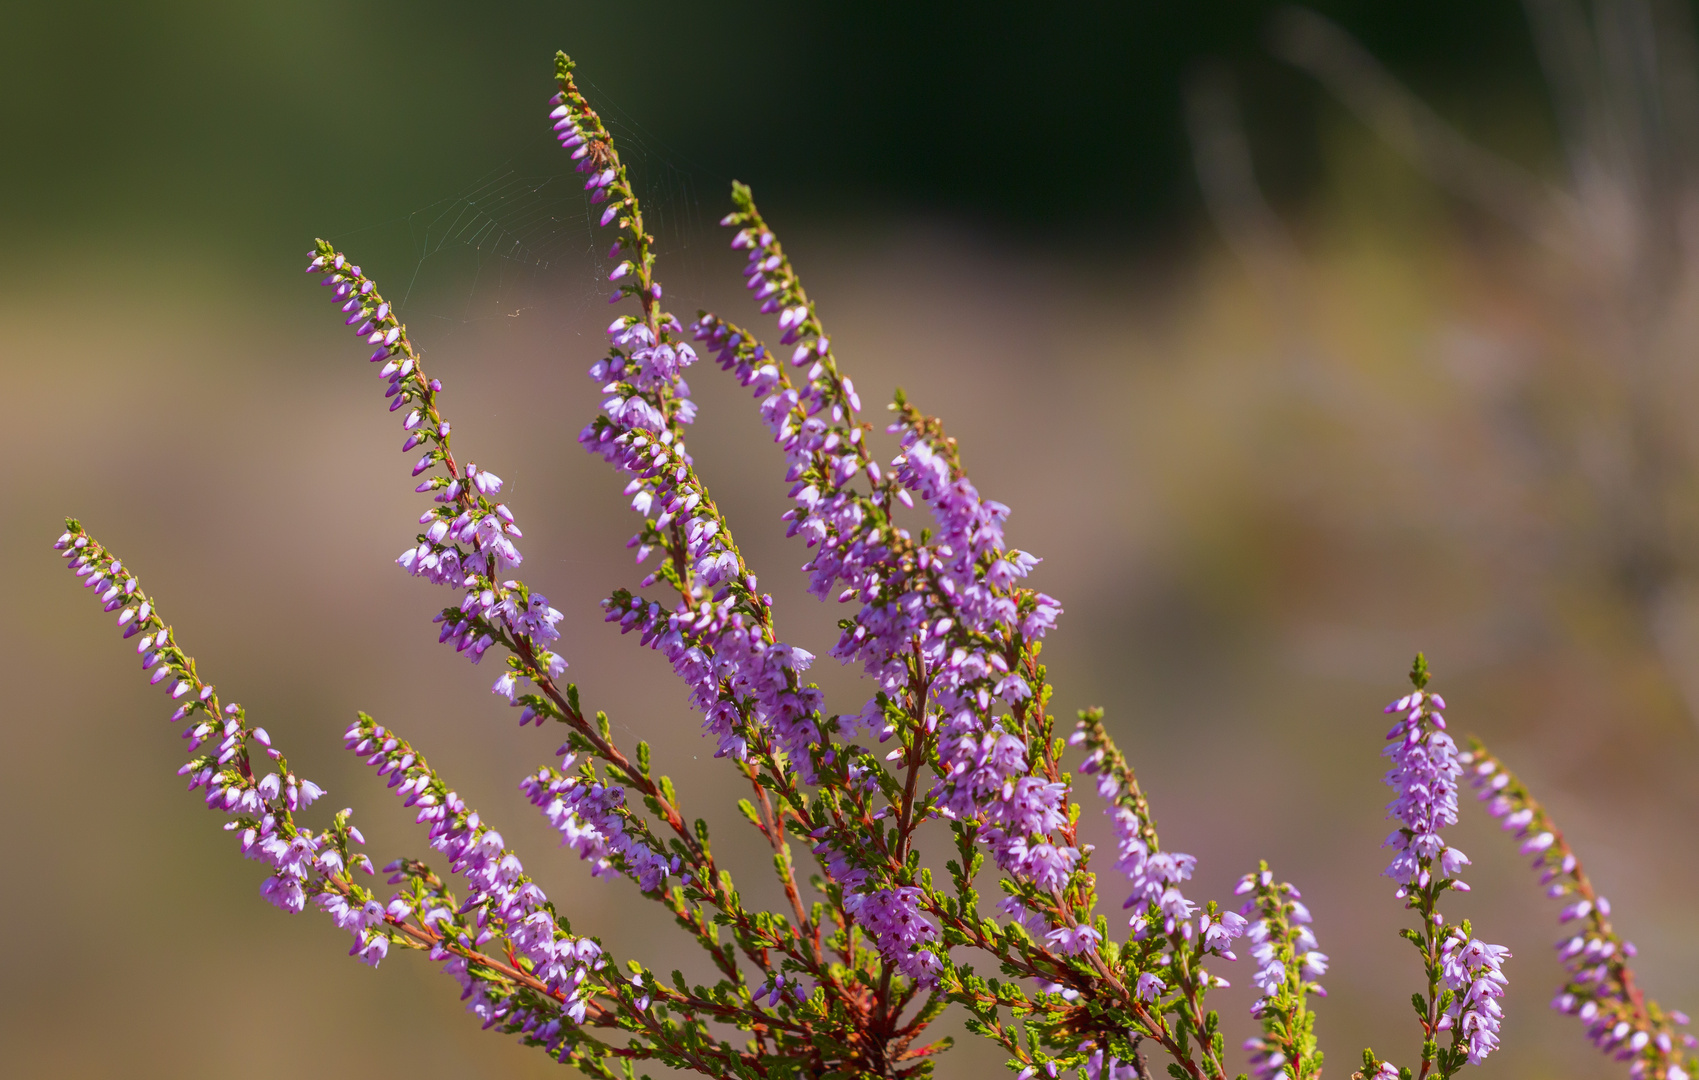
(943, 626)
(1473, 974)
(1424, 775)
(1170, 947)
(504, 904)
(726, 640)
(468, 537)
(592, 819)
(1154, 874)
(1288, 962)
(1600, 991)
(893, 919)
(1464, 975)
(957, 739)
(261, 804)
(738, 677)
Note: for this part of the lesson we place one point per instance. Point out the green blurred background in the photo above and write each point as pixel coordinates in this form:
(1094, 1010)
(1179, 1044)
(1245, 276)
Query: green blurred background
(1297, 346)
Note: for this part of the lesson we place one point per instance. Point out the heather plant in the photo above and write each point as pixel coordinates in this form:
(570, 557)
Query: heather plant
(957, 741)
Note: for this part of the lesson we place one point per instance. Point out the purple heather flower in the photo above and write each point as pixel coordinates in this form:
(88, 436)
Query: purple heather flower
(1217, 935)
(710, 643)
(943, 606)
(468, 540)
(1598, 989)
(592, 820)
(1097, 1067)
(1267, 1060)
(1472, 970)
(1034, 922)
(892, 917)
(1149, 987)
(507, 904)
(1283, 946)
(305, 865)
(1155, 876)
(1072, 940)
(1424, 775)
(1425, 767)
(713, 646)
(1271, 974)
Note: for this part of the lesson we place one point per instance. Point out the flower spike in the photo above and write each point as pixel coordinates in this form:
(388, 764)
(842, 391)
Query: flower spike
(1288, 963)
(243, 774)
(1601, 990)
(1465, 976)
(468, 538)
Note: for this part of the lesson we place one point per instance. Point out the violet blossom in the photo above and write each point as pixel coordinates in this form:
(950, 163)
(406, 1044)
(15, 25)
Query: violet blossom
(1288, 963)
(1600, 988)
(1465, 976)
(954, 739)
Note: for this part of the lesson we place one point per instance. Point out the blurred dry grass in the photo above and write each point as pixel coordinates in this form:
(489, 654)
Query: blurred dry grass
(1255, 504)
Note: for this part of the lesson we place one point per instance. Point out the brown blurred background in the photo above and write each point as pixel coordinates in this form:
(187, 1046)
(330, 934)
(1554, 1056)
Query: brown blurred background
(1296, 345)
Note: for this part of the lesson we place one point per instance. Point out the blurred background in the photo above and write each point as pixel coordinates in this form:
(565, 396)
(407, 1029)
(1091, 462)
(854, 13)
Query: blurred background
(1299, 340)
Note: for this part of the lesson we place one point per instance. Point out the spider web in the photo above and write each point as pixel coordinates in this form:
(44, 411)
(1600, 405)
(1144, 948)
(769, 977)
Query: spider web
(496, 247)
